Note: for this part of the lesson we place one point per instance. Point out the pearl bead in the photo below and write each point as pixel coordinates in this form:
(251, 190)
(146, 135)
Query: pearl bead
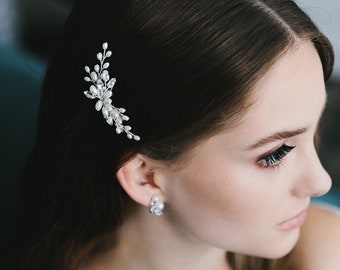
(99, 105)
(93, 90)
(101, 88)
(94, 76)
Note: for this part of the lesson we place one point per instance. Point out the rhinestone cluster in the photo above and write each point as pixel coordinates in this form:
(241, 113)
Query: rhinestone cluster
(156, 206)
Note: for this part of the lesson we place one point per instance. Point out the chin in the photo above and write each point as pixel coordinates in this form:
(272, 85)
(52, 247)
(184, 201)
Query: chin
(284, 246)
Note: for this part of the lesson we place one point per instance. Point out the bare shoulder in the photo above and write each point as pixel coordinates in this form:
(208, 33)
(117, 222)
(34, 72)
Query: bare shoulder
(319, 244)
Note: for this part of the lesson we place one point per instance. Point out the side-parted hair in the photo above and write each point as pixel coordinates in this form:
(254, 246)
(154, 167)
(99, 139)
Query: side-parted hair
(184, 69)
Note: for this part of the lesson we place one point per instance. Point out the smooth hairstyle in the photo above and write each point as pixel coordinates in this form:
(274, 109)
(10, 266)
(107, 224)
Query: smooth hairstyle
(184, 69)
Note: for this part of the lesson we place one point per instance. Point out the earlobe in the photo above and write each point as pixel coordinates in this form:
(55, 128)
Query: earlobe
(137, 179)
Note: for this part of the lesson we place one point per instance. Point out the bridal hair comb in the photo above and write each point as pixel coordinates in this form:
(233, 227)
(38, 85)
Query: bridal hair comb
(101, 88)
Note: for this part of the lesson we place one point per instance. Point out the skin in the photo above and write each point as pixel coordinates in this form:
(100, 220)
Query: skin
(319, 244)
(224, 198)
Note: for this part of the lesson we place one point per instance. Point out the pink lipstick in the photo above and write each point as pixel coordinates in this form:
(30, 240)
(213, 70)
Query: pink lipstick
(293, 222)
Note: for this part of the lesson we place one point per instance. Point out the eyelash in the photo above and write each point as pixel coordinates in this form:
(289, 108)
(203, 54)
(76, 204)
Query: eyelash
(274, 158)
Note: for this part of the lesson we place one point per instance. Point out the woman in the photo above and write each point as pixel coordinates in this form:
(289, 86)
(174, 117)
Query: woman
(224, 99)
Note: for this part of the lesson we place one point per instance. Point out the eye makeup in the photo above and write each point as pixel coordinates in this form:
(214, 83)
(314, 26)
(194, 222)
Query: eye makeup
(274, 158)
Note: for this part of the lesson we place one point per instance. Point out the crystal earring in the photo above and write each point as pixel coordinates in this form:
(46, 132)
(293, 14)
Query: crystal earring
(156, 206)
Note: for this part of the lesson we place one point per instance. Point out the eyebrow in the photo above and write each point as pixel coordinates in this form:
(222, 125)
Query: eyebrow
(276, 137)
(283, 134)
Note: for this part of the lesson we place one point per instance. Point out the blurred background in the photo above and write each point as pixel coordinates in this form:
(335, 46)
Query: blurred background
(28, 32)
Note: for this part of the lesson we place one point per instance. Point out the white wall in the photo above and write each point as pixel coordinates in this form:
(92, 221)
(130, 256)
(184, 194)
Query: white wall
(326, 14)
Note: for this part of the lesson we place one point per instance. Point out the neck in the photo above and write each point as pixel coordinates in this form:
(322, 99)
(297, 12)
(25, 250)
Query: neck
(147, 242)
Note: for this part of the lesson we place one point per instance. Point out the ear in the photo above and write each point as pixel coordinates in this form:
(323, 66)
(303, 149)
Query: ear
(137, 178)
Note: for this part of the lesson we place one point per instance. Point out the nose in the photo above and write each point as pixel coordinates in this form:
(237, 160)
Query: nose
(314, 179)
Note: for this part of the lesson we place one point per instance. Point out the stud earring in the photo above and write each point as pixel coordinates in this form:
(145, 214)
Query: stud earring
(156, 206)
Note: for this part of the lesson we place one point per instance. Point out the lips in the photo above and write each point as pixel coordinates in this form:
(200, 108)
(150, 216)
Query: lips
(293, 222)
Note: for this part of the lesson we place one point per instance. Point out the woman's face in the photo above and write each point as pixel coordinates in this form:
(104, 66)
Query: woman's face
(242, 188)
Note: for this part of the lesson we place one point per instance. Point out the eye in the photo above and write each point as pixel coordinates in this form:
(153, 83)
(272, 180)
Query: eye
(274, 158)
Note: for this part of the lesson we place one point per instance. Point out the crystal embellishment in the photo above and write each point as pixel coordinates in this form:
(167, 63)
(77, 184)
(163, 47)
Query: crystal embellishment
(156, 206)
(101, 88)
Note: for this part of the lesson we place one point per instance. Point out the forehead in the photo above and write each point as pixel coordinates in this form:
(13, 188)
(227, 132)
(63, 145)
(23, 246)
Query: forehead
(294, 84)
(299, 68)
(289, 96)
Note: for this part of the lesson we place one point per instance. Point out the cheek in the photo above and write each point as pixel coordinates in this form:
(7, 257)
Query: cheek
(202, 189)
(213, 203)
(232, 209)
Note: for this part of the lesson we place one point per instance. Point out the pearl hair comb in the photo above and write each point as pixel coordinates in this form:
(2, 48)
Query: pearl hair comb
(101, 88)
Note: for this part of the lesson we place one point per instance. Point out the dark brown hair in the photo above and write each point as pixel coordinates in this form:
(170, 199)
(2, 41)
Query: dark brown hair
(183, 68)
